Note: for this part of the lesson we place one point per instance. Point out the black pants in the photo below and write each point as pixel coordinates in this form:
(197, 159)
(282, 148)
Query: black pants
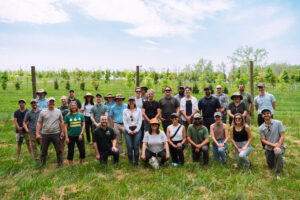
(143, 132)
(80, 145)
(89, 128)
(161, 154)
(165, 124)
(46, 140)
(177, 154)
(197, 155)
(104, 156)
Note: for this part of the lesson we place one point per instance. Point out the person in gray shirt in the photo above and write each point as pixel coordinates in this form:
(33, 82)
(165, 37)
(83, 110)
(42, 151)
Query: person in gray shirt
(272, 135)
(223, 98)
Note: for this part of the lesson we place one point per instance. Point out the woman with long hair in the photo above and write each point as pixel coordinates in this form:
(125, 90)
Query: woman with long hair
(86, 109)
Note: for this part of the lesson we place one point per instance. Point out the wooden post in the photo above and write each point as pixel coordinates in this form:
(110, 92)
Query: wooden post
(251, 79)
(137, 76)
(33, 80)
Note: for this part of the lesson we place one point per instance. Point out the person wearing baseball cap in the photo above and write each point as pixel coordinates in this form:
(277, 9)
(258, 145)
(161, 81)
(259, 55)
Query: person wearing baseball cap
(198, 137)
(272, 135)
(237, 106)
(223, 98)
(264, 100)
(42, 101)
(72, 98)
(219, 135)
(19, 116)
(30, 122)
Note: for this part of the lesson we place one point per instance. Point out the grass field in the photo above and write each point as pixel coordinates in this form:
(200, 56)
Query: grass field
(22, 179)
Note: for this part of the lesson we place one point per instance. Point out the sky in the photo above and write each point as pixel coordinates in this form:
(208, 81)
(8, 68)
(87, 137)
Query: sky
(156, 34)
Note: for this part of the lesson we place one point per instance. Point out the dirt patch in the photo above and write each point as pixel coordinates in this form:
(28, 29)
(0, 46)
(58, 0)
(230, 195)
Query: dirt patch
(120, 174)
(62, 190)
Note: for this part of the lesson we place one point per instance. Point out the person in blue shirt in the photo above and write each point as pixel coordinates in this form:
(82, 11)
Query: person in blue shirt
(110, 102)
(41, 100)
(116, 120)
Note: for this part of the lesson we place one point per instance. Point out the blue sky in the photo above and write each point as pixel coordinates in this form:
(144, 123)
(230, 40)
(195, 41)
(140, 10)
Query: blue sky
(120, 34)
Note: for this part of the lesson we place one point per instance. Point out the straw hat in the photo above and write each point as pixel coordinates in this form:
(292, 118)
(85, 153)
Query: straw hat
(119, 96)
(236, 94)
(154, 121)
(109, 95)
(41, 91)
(88, 95)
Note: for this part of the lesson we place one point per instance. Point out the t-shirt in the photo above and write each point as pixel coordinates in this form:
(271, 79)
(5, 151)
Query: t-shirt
(264, 102)
(155, 142)
(272, 132)
(64, 110)
(139, 103)
(77, 101)
(87, 109)
(42, 103)
(117, 112)
(104, 138)
(198, 135)
(109, 106)
(74, 124)
(179, 98)
(209, 106)
(50, 121)
(168, 106)
(179, 134)
(247, 99)
(98, 111)
(151, 108)
(32, 117)
(236, 109)
(20, 117)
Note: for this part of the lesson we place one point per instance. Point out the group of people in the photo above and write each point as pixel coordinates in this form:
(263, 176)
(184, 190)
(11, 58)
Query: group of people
(184, 121)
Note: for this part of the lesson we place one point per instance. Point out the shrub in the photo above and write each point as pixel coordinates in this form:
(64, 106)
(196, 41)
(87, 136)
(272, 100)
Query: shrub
(56, 86)
(18, 84)
(195, 89)
(82, 86)
(68, 85)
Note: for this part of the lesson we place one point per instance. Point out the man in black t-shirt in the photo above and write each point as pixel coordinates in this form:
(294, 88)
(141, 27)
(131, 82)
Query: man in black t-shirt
(104, 142)
(150, 109)
(19, 116)
(208, 105)
(72, 98)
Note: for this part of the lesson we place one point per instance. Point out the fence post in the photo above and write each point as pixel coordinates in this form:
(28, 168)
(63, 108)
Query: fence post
(251, 79)
(33, 80)
(137, 76)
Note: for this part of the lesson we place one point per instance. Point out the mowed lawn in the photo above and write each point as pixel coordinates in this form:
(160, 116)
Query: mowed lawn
(22, 179)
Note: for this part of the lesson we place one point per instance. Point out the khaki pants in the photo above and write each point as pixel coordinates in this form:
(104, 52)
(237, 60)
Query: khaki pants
(33, 143)
(119, 131)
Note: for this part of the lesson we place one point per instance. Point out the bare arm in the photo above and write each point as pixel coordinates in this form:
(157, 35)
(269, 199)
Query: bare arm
(144, 114)
(245, 113)
(231, 138)
(93, 119)
(226, 133)
(167, 150)
(25, 126)
(38, 128)
(274, 105)
(256, 107)
(17, 125)
(158, 113)
(114, 142)
(143, 156)
(169, 138)
(212, 133)
(229, 113)
(206, 141)
(183, 135)
(61, 124)
(96, 150)
(191, 141)
(111, 121)
(177, 110)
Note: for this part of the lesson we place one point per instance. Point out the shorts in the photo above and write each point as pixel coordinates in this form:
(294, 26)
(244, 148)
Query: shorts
(20, 137)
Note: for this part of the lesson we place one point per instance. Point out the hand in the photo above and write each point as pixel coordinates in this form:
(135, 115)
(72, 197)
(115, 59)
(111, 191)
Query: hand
(114, 149)
(276, 149)
(198, 146)
(20, 128)
(179, 144)
(277, 145)
(197, 149)
(98, 156)
(21, 132)
(133, 133)
(67, 140)
(80, 137)
(97, 124)
(167, 156)
(162, 119)
(62, 135)
(38, 136)
(239, 150)
(221, 145)
(143, 156)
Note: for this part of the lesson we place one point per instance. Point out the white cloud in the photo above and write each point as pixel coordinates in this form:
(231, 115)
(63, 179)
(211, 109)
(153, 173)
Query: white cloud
(154, 18)
(32, 11)
(151, 42)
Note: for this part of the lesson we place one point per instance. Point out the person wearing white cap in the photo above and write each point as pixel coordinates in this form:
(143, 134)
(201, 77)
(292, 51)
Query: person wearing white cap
(42, 101)
(51, 121)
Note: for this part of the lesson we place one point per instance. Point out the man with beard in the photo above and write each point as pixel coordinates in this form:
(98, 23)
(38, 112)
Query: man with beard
(208, 105)
(72, 98)
(272, 135)
(223, 98)
(198, 136)
(180, 94)
(248, 101)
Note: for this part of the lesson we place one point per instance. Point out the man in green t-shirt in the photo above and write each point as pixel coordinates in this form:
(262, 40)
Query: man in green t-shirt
(104, 142)
(198, 136)
(74, 129)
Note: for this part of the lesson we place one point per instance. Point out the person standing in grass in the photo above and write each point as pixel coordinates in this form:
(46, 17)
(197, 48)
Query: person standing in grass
(64, 108)
(52, 123)
(248, 101)
(155, 143)
(223, 99)
(132, 118)
(144, 95)
(168, 105)
(150, 109)
(104, 142)
(86, 110)
(176, 135)
(30, 122)
(19, 116)
(42, 101)
(188, 107)
(74, 129)
(219, 135)
(110, 102)
(198, 136)
(240, 136)
(272, 136)
(97, 111)
(180, 94)
(72, 98)
(116, 121)
(237, 106)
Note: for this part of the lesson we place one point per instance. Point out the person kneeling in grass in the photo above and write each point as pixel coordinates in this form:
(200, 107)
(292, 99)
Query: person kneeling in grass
(198, 136)
(74, 129)
(104, 141)
(155, 143)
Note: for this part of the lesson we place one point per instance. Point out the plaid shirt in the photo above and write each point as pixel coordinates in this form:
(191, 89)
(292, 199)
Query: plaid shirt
(223, 98)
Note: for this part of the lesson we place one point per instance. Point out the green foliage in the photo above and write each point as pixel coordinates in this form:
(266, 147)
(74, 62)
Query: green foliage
(95, 83)
(155, 77)
(18, 83)
(195, 89)
(4, 80)
(107, 75)
(82, 86)
(130, 79)
(270, 76)
(284, 76)
(68, 85)
(64, 74)
(225, 90)
(56, 85)
(149, 82)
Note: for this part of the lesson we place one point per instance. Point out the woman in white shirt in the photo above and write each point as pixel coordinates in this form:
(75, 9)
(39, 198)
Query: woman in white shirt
(188, 107)
(132, 119)
(86, 109)
(176, 134)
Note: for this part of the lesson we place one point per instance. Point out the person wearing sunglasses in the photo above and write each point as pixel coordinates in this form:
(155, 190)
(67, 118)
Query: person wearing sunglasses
(198, 137)
(176, 137)
(155, 143)
(272, 136)
(240, 136)
(237, 106)
(132, 119)
(168, 105)
(219, 135)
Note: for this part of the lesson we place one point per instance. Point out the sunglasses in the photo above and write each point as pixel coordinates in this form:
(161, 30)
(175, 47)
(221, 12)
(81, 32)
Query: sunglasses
(154, 124)
(219, 88)
(174, 117)
(217, 116)
(167, 90)
(197, 119)
(131, 118)
(238, 118)
(137, 91)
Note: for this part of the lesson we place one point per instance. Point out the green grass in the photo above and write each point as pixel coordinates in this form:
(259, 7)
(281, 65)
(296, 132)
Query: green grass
(22, 179)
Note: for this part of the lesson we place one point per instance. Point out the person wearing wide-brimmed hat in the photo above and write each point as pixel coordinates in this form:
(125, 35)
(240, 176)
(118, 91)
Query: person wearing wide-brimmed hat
(42, 101)
(116, 120)
(86, 109)
(110, 102)
(72, 98)
(144, 95)
(248, 101)
(237, 106)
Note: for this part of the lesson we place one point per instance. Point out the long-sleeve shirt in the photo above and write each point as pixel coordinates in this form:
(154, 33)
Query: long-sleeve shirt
(132, 120)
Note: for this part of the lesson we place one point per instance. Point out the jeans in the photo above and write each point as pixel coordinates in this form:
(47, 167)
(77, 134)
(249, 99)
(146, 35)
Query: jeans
(89, 128)
(197, 155)
(242, 156)
(104, 156)
(132, 142)
(219, 153)
(80, 145)
(161, 154)
(46, 140)
(177, 154)
(274, 159)
(224, 117)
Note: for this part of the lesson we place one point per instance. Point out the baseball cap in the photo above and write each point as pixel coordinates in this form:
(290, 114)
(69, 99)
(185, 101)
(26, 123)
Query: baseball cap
(218, 114)
(33, 101)
(22, 100)
(206, 88)
(51, 99)
(71, 91)
(197, 115)
(98, 95)
(131, 99)
(174, 115)
(261, 85)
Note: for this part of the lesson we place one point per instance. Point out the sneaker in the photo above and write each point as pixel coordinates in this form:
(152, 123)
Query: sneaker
(175, 164)
(278, 176)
